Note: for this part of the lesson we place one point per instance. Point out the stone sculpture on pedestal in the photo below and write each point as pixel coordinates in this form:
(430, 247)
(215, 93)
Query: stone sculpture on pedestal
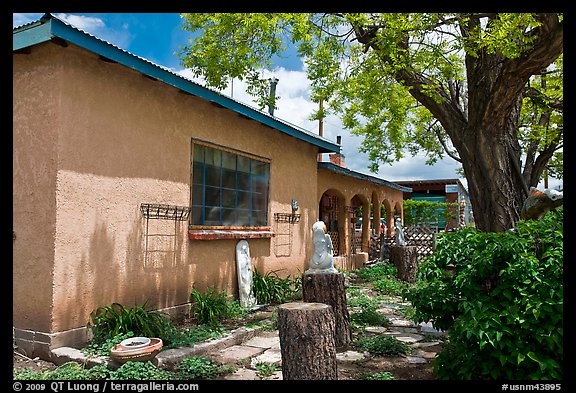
(322, 260)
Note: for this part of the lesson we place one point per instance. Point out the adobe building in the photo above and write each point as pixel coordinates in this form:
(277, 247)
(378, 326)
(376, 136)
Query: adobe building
(442, 190)
(133, 184)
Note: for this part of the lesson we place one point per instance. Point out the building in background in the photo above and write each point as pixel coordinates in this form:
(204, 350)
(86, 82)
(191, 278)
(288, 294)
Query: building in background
(442, 190)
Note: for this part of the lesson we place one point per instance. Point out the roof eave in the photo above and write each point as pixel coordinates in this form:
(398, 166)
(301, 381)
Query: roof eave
(362, 176)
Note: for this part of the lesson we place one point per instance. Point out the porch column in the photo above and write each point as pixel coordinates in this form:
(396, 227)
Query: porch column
(376, 208)
(365, 227)
(344, 227)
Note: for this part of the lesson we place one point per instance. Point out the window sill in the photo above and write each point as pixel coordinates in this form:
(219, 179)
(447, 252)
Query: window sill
(226, 234)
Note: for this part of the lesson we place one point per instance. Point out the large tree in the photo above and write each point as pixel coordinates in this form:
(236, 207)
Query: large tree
(472, 86)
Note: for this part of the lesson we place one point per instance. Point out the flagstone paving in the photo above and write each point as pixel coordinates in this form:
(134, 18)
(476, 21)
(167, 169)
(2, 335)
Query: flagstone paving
(247, 348)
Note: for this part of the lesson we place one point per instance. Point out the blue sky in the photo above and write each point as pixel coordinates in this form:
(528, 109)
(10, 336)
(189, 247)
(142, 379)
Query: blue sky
(158, 36)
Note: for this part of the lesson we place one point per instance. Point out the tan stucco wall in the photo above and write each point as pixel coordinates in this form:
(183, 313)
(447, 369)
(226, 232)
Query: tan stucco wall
(120, 139)
(35, 106)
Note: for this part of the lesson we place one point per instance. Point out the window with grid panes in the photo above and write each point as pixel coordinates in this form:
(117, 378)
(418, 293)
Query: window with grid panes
(229, 187)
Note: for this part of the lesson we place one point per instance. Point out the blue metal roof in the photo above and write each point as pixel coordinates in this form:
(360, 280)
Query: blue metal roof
(362, 176)
(49, 27)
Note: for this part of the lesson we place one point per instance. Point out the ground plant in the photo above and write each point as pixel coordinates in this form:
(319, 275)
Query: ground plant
(270, 288)
(500, 296)
(110, 321)
(383, 345)
(265, 369)
(213, 306)
(200, 367)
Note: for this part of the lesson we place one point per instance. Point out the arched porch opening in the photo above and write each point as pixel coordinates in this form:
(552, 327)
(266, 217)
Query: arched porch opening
(332, 212)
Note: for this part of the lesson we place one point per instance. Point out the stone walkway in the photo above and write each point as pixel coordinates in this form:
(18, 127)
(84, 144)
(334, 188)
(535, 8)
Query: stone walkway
(264, 347)
(246, 347)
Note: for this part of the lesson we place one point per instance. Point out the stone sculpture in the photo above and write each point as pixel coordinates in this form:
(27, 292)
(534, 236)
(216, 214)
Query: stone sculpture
(322, 260)
(244, 270)
(400, 241)
(539, 203)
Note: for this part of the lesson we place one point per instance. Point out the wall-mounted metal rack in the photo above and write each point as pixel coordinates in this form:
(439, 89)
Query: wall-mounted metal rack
(290, 218)
(165, 212)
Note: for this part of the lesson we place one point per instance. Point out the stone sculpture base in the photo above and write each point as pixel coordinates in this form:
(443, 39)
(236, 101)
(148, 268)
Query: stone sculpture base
(329, 288)
(307, 341)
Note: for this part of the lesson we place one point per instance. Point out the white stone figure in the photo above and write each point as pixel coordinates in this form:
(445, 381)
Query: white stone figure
(322, 261)
(400, 241)
(244, 270)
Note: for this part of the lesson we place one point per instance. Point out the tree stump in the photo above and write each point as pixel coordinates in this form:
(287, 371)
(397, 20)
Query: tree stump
(405, 258)
(329, 288)
(307, 341)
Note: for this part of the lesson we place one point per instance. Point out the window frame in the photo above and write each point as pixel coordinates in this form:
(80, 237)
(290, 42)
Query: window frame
(235, 190)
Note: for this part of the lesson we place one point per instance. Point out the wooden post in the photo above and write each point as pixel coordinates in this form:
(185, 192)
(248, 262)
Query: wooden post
(329, 288)
(307, 341)
(405, 258)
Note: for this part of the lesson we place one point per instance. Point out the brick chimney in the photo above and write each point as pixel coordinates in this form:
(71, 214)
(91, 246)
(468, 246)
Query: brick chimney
(338, 158)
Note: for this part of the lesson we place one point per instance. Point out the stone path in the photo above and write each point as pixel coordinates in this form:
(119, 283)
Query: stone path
(246, 347)
(265, 347)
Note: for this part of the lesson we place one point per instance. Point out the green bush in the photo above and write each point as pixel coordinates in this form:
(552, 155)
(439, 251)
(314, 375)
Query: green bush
(500, 296)
(200, 367)
(116, 319)
(272, 289)
(382, 345)
(140, 371)
(211, 307)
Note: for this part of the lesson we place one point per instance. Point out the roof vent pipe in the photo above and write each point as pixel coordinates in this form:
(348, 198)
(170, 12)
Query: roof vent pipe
(273, 83)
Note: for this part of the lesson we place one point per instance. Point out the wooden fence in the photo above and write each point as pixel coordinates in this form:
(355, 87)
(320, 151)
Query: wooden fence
(418, 235)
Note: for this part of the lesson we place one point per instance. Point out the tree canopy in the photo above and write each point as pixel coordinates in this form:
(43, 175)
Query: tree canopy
(482, 88)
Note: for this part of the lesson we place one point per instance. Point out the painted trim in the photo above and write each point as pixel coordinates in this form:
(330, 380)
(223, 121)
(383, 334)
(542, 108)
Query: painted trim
(51, 27)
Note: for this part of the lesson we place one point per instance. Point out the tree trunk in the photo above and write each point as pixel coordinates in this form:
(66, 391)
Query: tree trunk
(495, 183)
(329, 288)
(307, 341)
(405, 258)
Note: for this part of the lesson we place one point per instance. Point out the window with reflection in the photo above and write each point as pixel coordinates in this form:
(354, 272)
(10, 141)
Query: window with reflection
(229, 187)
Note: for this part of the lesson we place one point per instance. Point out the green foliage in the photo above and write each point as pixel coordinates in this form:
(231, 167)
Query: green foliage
(212, 307)
(140, 371)
(110, 321)
(264, 369)
(367, 315)
(270, 288)
(500, 296)
(382, 345)
(190, 336)
(428, 212)
(383, 277)
(380, 376)
(67, 371)
(200, 367)
(102, 348)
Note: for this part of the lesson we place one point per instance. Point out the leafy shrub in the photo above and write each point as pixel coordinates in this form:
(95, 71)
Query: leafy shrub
(500, 296)
(384, 278)
(272, 289)
(110, 321)
(102, 348)
(199, 367)
(383, 345)
(213, 307)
